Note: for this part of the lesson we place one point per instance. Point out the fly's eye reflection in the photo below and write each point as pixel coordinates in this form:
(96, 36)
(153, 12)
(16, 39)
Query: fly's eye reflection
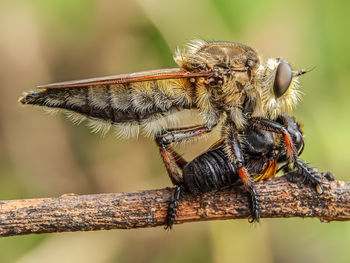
(283, 79)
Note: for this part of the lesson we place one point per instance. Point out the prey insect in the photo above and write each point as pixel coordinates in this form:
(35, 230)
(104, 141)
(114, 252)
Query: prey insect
(263, 151)
(225, 82)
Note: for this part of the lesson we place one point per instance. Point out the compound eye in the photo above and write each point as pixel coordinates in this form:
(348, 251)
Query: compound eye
(298, 139)
(283, 79)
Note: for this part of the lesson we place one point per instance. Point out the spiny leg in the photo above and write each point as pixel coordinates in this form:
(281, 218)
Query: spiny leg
(179, 160)
(306, 174)
(179, 134)
(180, 163)
(254, 205)
(169, 136)
(171, 168)
(301, 169)
(173, 161)
(235, 155)
(173, 207)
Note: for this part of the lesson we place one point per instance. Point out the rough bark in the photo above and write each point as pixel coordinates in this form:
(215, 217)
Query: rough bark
(278, 198)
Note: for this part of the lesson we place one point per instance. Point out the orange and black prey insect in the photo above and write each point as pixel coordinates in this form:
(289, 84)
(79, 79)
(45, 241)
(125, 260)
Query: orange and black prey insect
(225, 82)
(263, 152)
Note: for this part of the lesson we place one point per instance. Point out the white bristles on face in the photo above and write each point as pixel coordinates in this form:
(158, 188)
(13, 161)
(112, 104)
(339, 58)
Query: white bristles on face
(273, 106)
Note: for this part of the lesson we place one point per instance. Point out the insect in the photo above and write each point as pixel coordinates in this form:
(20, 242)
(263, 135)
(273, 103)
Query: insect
(263, 152)
(226, 82)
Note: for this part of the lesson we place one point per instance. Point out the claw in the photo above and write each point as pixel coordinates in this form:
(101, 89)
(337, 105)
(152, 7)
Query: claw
(255, 207)
(251, 219)
(308, 174)
(172, 209)
(319, 189)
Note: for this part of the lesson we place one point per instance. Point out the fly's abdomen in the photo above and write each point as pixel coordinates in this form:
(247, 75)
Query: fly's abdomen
(132, 103)
(210, 171)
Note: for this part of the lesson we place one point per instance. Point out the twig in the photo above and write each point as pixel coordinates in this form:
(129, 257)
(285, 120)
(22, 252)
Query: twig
(278, 198)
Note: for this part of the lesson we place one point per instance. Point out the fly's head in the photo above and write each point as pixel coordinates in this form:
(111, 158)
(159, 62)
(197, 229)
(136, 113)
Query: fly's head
(240, 84)
(278, 85)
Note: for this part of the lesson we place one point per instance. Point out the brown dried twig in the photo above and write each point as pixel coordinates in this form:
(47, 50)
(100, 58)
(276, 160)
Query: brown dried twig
(278, 198)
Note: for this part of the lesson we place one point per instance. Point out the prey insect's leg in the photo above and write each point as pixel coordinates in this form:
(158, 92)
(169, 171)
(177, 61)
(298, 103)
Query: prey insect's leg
(275, 127)
(235, 155)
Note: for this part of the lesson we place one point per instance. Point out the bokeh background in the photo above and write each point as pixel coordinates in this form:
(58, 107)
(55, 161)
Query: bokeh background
(44, 41)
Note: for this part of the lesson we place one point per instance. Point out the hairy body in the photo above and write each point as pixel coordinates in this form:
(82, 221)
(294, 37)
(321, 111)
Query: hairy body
(223, 81)
(236, 85)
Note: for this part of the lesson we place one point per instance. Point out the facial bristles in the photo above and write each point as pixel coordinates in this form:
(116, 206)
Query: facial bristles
(273, 106)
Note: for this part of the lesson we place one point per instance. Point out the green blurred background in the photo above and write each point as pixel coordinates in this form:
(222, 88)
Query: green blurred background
(41, 155)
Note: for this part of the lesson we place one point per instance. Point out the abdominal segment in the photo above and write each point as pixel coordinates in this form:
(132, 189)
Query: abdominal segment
(136, 103)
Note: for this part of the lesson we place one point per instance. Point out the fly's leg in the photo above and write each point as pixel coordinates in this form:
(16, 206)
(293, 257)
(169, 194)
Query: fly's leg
(173, 207)
(235, 155)
(254, 205)
(180, 163)
(179, 134)
(167, 137)
(308, 174)
(179, 160)
(173, 161)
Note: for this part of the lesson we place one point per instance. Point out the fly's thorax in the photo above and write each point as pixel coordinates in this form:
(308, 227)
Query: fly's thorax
(278, 88)
(234, 67)
(201, 55)
(227, 99)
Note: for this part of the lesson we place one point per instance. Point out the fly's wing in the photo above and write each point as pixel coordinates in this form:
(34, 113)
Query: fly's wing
(130, 99)
(162, 74)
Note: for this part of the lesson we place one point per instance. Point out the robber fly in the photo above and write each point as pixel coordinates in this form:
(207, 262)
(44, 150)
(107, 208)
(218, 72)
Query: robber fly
(226, 82)
(263, 151)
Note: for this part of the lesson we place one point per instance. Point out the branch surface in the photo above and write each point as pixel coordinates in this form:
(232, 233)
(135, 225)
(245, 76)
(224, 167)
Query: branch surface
(278, 198)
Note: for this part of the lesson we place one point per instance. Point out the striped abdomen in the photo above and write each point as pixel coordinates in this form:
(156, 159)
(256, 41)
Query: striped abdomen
(211, 171)
(132, 103)
(128, 107)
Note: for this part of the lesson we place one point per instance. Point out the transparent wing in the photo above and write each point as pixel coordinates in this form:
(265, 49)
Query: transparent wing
(174, 73)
